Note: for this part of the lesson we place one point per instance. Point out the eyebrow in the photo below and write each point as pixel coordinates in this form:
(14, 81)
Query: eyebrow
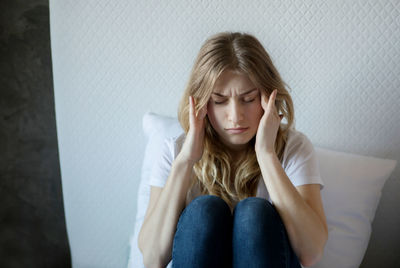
(245, 93)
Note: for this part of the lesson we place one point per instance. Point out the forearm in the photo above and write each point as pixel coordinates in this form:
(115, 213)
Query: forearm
(158, 230)
(305, 229)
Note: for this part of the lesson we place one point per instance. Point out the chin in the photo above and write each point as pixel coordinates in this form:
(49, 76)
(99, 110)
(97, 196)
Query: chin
(238, 140)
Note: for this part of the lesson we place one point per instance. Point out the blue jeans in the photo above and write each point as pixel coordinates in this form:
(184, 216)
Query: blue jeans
(208, 235)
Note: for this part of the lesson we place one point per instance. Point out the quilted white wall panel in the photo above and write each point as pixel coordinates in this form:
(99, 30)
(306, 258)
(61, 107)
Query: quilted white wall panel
(115, 60)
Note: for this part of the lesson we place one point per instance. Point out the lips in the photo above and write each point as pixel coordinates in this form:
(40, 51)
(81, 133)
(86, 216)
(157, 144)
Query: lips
(236, 130)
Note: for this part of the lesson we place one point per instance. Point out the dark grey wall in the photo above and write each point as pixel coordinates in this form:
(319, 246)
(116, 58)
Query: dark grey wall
(32, 223)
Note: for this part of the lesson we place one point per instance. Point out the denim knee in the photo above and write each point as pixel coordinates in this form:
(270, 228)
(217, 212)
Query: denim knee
(256, 210)
(209, 201)
(208, 211)
(203, 236)
(259, 236)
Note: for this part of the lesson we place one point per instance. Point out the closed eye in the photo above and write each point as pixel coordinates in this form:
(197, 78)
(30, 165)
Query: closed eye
(246, 101)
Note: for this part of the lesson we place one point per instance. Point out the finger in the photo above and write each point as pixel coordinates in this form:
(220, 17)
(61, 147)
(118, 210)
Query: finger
(191, 111)
(203, 112)
(271, 101)
(197, 114)
(264, 100)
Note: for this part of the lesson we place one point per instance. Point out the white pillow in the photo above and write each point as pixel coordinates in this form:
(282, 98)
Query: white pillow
(156, 128)
(353, 185)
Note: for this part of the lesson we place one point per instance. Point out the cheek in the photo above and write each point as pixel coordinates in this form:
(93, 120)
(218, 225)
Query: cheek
(256, 112)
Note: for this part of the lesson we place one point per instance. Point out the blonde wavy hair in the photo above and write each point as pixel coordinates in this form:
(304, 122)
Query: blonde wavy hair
(243, 53)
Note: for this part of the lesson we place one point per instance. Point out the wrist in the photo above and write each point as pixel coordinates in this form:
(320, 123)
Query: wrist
(184, 161)
(265, 154)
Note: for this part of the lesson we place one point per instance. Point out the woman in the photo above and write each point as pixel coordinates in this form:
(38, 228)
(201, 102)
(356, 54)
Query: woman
(238, 188)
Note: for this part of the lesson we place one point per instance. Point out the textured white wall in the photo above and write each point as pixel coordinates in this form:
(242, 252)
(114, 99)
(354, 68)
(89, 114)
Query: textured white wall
(115, 60)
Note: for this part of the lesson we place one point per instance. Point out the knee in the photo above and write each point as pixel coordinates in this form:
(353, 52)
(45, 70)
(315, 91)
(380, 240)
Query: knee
(209, 208)
(204, 234)
(257, 210)
(251, 204)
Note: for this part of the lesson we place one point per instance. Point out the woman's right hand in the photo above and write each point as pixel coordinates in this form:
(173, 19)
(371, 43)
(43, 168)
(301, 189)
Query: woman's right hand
(192, 149)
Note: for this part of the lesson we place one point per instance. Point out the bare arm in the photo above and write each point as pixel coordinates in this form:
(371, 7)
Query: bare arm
(300, 208)
(158, 229)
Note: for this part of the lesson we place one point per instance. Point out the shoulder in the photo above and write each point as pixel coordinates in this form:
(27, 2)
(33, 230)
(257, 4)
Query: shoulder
(296, 136)
(298, 149)
(300, 160)
(162, 162)
(174, 144)
(297, 142)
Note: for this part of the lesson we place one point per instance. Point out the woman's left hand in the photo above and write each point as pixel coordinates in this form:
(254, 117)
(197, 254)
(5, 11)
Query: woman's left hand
(268, 125)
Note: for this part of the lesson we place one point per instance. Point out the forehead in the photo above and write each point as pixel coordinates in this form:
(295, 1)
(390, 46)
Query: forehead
(232, 82)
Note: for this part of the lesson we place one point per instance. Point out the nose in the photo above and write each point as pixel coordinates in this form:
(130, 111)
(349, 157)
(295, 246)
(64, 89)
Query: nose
(235, 113)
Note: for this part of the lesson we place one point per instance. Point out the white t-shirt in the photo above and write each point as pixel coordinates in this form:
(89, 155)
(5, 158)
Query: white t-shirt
(299, 162)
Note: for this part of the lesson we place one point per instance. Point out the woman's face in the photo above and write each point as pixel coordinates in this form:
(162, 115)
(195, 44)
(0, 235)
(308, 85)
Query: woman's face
(234, 109)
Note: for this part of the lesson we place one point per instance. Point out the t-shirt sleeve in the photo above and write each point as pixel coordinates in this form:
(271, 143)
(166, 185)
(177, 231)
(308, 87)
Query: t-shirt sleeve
(302, 164)
(162, 165)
